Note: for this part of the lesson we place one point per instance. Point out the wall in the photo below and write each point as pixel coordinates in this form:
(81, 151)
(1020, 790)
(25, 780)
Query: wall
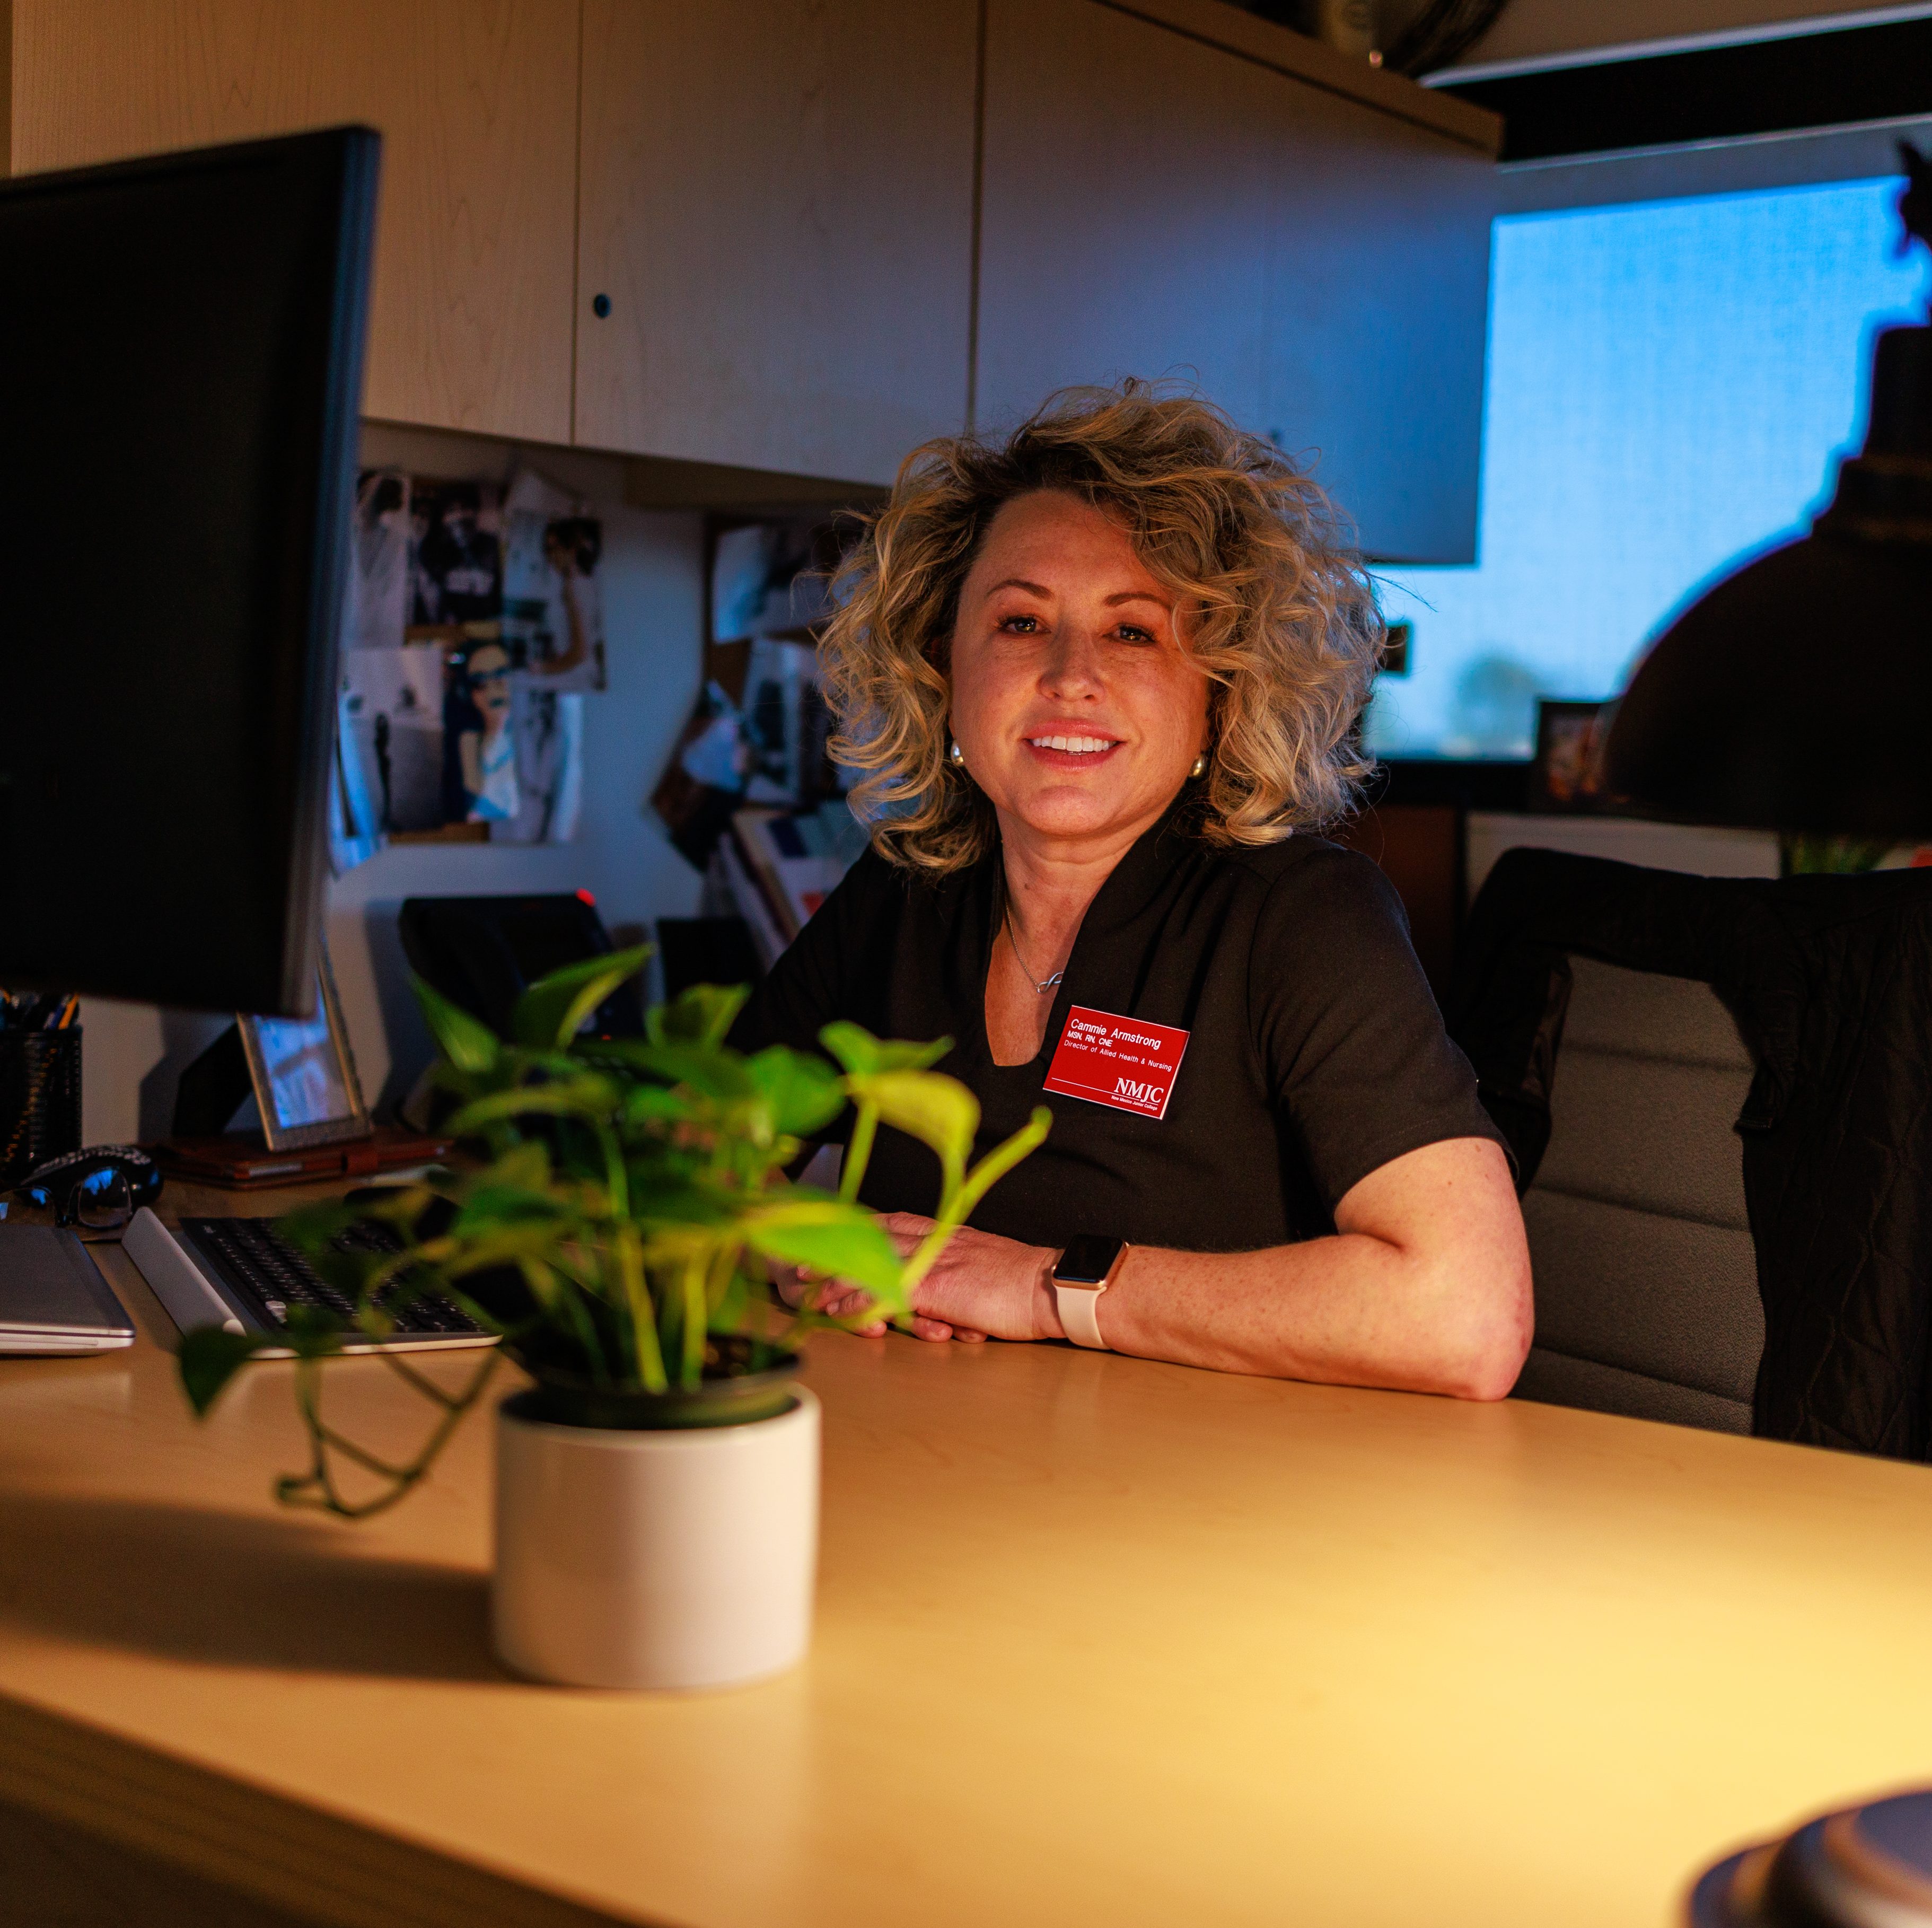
(653, 616)
(1531, 29)
(1703, 850)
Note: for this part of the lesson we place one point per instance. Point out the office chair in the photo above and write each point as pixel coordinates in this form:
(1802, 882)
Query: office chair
(1720, 1100)
(1646, 1276)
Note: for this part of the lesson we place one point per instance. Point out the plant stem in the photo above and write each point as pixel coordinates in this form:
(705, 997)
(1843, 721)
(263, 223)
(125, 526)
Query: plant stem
(650, 1355)
(957, 1206)
(859, 1152)
(302, 1489)
(692, 1365)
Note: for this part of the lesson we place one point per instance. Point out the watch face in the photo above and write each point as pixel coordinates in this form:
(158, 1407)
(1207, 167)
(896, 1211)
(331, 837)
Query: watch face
(1087, 1259)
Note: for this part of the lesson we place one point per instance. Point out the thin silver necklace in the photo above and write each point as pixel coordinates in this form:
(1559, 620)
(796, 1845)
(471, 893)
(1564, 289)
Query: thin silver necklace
(1041, 985)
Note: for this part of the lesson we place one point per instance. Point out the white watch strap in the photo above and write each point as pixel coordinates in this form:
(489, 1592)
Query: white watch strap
(1079, 1308)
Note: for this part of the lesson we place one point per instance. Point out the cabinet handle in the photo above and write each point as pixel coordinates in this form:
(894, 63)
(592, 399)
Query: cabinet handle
(600, 306)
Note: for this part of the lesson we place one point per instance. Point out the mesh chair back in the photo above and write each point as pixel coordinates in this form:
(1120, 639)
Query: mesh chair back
(1646, 1278)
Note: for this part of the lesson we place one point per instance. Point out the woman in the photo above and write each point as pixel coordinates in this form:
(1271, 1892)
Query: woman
(1100, 681)
(480, 752)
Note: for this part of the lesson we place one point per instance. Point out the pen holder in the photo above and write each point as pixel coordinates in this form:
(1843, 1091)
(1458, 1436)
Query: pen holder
(40, 1099)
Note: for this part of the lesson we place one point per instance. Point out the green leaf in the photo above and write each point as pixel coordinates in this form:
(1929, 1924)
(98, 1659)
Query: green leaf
(487, 1206)
(655, 1104)
(404, 1205)
(467, 1042)
(552, 1011)
(580, 1097)
(210, 1356)
(865, 1056)
(504, 1245)
(374, 1322)
(526, 1167)
(668, 1205)
(938, 1111)
(728, 1314)
(545, 1287)
(709, 1070)
(701, 1014)
(804, 1093)
(845, 1241)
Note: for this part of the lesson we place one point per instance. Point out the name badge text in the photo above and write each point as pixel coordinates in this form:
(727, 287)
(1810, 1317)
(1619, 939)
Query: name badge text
(1123, 1062)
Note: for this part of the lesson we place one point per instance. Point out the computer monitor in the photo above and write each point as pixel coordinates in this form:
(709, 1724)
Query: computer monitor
(181, 366)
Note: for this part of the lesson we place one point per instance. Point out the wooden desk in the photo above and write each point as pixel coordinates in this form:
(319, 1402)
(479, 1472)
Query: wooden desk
(1099, 1641)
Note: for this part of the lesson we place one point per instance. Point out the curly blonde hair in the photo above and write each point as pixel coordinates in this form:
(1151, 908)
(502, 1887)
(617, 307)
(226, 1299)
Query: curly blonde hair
(1275, 606)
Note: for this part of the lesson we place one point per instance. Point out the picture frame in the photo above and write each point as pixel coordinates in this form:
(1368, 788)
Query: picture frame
(1566, 776)
(303, 1071)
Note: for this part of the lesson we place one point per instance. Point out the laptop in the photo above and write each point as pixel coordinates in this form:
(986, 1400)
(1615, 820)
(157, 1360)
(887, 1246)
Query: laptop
(53, 1299)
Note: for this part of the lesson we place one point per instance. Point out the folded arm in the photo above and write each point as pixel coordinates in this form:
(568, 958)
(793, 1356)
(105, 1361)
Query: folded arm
(1424, 1286)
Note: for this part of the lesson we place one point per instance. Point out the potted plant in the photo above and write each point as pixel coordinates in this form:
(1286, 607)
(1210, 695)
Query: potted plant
(657, 1483)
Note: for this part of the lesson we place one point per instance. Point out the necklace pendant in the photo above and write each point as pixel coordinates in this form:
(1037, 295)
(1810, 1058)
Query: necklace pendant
(1041, 985)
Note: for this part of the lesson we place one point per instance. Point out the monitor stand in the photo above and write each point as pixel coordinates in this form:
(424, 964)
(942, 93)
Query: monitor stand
(213, 1089)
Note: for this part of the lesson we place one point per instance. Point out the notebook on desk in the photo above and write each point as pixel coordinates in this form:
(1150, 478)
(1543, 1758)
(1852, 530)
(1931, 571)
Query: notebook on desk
(53, 1297)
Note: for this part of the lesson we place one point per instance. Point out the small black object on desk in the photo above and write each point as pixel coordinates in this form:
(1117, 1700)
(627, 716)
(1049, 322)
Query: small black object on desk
(98, 1190)
(40, 1080)
(1864, 1864)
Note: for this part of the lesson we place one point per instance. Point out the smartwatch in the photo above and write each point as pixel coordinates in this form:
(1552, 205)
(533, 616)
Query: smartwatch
(1089, 1265)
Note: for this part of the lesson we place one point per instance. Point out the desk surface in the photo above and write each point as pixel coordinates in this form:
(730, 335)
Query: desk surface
(1098, 1641)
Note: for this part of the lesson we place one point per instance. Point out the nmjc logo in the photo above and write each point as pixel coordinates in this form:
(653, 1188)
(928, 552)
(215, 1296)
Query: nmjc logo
(1136, 1093)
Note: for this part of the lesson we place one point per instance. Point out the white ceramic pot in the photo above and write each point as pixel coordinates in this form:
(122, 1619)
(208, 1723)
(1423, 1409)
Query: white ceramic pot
(682, 1558)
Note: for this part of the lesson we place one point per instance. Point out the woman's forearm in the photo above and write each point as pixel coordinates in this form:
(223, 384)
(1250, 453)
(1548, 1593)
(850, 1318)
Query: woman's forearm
(1351, 1310)
(1425, 1286)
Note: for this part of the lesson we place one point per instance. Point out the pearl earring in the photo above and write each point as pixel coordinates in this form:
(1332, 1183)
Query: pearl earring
(1200, 765)
(956, 756)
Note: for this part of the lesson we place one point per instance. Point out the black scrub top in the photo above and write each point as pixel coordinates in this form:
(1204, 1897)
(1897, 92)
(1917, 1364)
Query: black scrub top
(1315, 1052)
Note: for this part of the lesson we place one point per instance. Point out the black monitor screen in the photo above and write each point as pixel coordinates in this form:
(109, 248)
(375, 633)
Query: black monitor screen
(181, 349)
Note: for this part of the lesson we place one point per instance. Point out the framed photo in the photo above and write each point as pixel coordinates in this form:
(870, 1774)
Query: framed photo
(1566, 778)
(304, 1073)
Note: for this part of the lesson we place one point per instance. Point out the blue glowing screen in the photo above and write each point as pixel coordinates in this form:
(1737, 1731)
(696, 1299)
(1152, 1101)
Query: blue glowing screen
(1669, 385)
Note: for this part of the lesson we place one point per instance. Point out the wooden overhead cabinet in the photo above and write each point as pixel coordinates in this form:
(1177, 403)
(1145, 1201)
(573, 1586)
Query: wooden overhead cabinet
(476, 101)
(776, 269)
(1179, 189)
(741, 234)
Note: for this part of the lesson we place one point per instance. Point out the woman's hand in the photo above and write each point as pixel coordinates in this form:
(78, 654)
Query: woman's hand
(982, 1286)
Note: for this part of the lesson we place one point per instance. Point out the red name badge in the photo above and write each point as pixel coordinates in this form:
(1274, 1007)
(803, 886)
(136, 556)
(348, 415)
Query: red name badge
(1123, 1061)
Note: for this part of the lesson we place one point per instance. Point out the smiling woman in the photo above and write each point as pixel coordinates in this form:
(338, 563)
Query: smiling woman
(1101, 681)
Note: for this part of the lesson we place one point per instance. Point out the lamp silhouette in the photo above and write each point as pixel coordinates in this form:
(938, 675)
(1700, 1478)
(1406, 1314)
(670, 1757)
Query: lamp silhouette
(1796, 695)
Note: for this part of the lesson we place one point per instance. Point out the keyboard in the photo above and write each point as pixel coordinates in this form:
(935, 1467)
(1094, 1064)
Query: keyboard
(244, 1274)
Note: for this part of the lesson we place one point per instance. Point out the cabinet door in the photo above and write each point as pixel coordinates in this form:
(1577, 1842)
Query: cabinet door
(1378, 289)
(1124, 212)
(1156, 206)
(777, 209)
(476, 101)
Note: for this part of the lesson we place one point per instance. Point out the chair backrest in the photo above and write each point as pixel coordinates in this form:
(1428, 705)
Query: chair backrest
(1646, 1278)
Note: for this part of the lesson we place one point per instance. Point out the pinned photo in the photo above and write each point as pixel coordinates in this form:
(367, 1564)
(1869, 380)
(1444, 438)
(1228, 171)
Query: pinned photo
(1567, 778)
(376, 609)
(392, 709)
(456, 575)
(479, 750)
(548, 726)
(553, 599)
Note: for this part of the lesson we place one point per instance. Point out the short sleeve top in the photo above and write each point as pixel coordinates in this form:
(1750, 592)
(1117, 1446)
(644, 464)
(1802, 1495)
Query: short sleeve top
(1314, 1053)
